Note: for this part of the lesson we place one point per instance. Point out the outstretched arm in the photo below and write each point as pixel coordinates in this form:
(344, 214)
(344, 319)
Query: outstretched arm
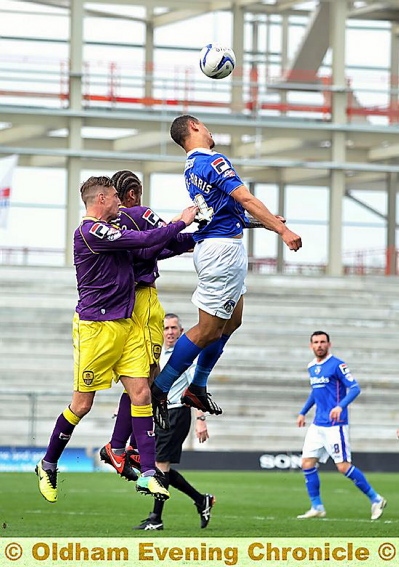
(252, 222)
(257, 209)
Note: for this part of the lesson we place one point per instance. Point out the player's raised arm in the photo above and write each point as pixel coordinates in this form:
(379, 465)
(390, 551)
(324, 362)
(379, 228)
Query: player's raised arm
(258, 210)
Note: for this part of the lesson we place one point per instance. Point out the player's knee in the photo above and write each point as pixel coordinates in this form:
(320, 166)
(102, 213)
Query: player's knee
(343, 467)
(141, 394)
(81, 409)
(308, 463)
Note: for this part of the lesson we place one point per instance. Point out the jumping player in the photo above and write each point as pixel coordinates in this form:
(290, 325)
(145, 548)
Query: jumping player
(219, 259)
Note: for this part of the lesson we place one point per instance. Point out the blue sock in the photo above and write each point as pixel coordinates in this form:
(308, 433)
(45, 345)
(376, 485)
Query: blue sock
(207, 360)
(183, 355)
(360, 481)
(312, 481)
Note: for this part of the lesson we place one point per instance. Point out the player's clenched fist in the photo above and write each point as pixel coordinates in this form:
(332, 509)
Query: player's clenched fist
(292, 240)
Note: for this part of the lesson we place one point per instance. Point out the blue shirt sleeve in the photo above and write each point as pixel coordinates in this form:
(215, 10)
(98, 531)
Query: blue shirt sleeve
(353, 389)
(308, 404)
(352, 393)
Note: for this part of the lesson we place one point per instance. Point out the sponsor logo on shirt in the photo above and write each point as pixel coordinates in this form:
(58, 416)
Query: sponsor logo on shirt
(113, 234)
(151, 217)
(99, 230)
(229, 173)
(346, 372)
(189, 163)
(318, 381)
(220, 165)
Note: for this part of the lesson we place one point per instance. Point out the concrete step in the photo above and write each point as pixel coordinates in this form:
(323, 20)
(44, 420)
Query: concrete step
(260, 381)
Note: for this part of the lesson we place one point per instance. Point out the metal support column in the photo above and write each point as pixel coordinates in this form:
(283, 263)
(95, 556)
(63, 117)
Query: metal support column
(251, 233)
(149, 55)
(281, 211)
(338, 149)
(75, 126)
(237, 99)
(394, 79)
(284, 56)
(146, 198)
(392, 183)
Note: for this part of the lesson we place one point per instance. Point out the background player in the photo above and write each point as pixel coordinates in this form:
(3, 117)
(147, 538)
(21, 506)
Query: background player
(219, 259)
(333, 389)
(169, 444)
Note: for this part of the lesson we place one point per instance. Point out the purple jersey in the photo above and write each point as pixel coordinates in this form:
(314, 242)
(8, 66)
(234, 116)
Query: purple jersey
(104, 269)
(145, 261)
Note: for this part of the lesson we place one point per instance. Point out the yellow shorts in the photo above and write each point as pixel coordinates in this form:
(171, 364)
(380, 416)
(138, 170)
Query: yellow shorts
(151, 314)
(106, 350)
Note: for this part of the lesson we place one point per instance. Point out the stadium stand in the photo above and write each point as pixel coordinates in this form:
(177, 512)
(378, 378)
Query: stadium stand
(260, 381)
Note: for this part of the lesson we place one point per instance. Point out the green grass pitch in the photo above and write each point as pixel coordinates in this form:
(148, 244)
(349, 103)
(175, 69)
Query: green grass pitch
(249, 504)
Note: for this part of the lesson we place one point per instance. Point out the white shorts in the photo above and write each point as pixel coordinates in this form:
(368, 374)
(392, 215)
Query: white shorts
(323, 442)
(221, 265)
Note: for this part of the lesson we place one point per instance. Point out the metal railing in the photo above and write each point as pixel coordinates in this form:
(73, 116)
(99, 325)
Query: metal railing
(108, 84)
(21, 412)
(382, 261)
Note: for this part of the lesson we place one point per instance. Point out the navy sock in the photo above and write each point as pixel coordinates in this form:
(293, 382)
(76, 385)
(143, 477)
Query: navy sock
(360, 481)
(312, 481)
(183, 355)
(207, 360)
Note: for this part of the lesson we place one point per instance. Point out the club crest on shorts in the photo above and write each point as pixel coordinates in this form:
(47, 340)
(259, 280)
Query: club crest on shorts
(229, 306)
(156, 351)
(88, 377)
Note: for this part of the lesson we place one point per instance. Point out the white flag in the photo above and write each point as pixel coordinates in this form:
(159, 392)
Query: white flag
(7, 168)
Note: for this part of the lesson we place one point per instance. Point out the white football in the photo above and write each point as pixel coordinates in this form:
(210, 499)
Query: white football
(217, 61)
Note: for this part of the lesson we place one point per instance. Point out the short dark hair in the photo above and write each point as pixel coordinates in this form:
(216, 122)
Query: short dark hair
(125, 181)
(88, 189)
(174, 316)
(317, 333)
(179, 128)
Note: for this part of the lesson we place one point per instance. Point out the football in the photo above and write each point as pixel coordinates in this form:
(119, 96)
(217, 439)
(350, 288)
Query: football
(217, 61)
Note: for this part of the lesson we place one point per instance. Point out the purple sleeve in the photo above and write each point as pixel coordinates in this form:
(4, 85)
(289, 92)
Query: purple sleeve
(140, 218)
(150, 253)
(182, 243)
(103, 237)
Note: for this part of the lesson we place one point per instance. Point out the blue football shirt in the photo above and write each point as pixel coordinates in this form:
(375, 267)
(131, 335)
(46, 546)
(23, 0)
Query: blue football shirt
(330, 380)
(210, 180)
